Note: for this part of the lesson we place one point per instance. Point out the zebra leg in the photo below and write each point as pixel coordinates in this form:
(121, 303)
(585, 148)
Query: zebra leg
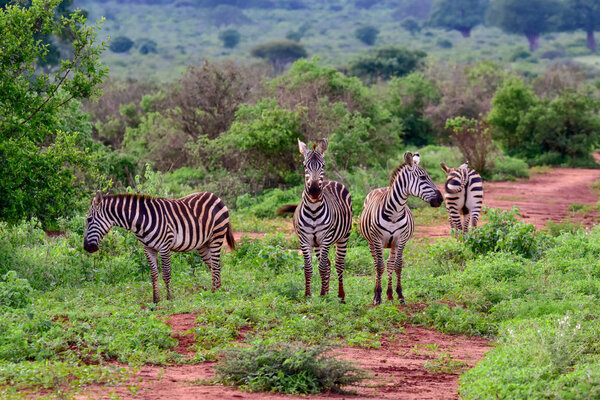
(455, 223)
(215, 266)
(152, 257)
(398, 267)
(324, 268)
(377, 253)
(466, 220)
(307, 253)
(340, 255)
(165, 258)
(475, 216)
(390, 269)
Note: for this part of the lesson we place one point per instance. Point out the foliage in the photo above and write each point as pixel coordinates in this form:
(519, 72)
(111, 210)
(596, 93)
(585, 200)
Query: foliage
(530, 18)
(230, 38)
(14, 292)
(545, 131)
(146, 46)
(474, 140)
(460, 15)
(224, 15)
(367, 34)
(120, 44)
(504, 232)
(584, 15)
(408, 99)
(43, 147)
(279, 53)
(386, 63)
(411, 25)
(287, 368)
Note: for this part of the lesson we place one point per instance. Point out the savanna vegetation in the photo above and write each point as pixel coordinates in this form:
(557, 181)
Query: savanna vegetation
(229, 126)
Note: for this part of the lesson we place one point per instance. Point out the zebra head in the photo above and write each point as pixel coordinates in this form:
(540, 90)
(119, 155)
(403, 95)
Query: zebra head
(314, 165)
(457, 177)
(419, 183)
(97, 225)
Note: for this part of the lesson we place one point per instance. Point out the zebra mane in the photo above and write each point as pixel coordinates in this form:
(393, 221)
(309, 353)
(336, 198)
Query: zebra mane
(130, 195)
(396, 172)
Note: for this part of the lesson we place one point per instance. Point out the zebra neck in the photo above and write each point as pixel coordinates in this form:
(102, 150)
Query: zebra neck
(396, 198)
(313, 206)
(127, 212)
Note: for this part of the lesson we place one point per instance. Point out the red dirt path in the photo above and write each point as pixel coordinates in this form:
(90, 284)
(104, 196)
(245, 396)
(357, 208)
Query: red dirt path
(545, 197)
(397, 367)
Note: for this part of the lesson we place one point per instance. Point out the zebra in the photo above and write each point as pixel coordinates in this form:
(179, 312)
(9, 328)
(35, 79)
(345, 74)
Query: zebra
(199, 221)
(386, 220)
(463, 196)
(323, 218)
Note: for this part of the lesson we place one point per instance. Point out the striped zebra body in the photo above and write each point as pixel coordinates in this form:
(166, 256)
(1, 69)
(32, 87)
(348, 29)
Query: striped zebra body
(386, 220)
(198, 221)
(322, 219)
(463, 196)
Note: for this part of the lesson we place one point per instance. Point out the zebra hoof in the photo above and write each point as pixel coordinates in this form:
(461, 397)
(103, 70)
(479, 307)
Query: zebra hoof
(401, 300)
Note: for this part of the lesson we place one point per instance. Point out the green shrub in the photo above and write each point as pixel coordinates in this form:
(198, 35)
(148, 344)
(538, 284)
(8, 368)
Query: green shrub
(367, 34)
(120, 44)
(286, 368)
(504, 232)
(230, 38)
(508, 168)
(14, 292)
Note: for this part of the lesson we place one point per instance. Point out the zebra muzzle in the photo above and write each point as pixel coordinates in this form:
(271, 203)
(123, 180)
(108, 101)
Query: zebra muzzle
(90, 247)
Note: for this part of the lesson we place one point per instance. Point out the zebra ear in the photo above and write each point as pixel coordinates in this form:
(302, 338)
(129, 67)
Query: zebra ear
(322, 145)
(416, 158)
(408, 158)
(97, 198)
(302, 146)
(444, 167)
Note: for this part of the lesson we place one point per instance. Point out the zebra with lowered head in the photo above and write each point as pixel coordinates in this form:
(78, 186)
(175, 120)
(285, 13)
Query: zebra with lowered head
(386, 220)
(463, 196)
(199, 221)
(323, 218)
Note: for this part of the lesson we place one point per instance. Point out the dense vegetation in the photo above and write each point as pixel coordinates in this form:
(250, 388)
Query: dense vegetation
(232, 128)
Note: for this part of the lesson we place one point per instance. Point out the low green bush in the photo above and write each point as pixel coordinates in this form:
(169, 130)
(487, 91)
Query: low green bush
(287, 368)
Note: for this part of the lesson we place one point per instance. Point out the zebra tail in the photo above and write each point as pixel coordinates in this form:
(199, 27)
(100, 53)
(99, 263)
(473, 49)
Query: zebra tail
(287, 209)
(230, 239)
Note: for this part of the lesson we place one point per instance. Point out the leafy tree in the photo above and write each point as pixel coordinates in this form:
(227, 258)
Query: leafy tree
(230, 38)
(43, 146)
(474, 139)
(146, 46)
(584, 15)
(387, 62)
(279, 53)
(546, 131)
(120, 44)
(367, 34)
(408, 98)
(530, 18)
(460, 15)
(411, 25)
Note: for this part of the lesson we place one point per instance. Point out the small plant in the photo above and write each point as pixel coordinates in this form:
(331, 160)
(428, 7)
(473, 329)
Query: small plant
(445, 364)
(14, 292)
(286, 368)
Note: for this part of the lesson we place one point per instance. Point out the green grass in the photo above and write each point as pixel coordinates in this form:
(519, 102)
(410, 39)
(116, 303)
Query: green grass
(535, 294)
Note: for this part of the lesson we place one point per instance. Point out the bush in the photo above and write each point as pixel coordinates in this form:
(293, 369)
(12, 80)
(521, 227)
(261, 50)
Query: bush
(286, 368)
(508, 168)
(230, 38)
(120, 44)
(14, 292)
(387, 62)
(367, 34)
(444, 44)
(504, 232)
(474, 140)
(146, 46)
(279, 53)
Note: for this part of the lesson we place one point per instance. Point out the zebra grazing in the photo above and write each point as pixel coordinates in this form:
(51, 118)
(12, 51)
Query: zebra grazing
(199, 221)
(463, 196)
(386, 220)
(323, 218)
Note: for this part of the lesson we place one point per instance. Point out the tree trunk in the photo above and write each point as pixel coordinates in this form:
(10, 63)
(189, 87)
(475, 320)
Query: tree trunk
(465, 32)
(534, 41)
(591, 41)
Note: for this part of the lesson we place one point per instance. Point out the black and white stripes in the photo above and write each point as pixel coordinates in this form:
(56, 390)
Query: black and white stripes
(198, 221)
(386, 220)
(323, 218)
(463, 196)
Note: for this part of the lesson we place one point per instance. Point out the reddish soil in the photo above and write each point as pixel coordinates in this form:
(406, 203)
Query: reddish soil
(397, 368)
(544, 197)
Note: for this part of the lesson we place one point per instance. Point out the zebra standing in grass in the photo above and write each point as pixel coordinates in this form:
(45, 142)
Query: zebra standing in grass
(199, 221)
(323, 218)
(386, 220)
(463, 196)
